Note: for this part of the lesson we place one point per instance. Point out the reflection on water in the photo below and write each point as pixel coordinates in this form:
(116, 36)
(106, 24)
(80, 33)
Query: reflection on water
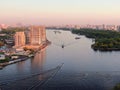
(20, 66)
(17, 72)
(31, 82)
(38, 62)
(83, 69)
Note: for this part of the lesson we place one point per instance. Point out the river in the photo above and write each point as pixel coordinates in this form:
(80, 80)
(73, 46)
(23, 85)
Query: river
(82, 69)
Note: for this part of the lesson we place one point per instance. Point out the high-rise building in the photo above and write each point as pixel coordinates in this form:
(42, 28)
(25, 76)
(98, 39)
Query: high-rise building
(43, 32)
(37, 35)
(19, 39)
(27, 35)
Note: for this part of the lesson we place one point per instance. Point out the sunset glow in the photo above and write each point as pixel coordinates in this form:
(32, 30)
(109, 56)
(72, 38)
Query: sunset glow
(60, 11)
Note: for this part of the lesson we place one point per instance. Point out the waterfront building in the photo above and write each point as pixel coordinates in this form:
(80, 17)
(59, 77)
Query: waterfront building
(37, 35)
(27, 36)
(43, 33)
(19, 39)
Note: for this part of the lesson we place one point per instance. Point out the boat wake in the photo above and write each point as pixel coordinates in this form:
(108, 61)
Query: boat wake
(32, 81)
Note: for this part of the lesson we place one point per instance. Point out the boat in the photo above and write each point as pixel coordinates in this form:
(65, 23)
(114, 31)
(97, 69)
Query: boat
(77, 37)
(63, 46)
(57, 32)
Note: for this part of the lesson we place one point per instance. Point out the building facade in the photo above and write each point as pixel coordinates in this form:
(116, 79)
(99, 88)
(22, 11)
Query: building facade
(37, 35)
(19, 39)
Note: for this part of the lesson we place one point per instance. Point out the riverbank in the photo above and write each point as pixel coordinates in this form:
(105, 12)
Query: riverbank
(105, 40)
(12, 61)
(2, 65)
(106, 49)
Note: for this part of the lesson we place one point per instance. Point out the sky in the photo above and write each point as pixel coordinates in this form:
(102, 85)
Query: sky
(60, 12)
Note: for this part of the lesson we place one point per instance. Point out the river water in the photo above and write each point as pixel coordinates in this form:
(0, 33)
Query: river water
(82, 68)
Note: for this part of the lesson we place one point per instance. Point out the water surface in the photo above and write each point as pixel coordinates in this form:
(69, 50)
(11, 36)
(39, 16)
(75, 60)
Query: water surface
(83, 68)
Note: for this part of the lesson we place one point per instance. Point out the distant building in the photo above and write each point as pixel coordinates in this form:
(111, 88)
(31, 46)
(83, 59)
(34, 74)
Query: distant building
(37, 35)
(118, 28)
(111, 27)
(19, 39)
(77, 27)
(3, 26)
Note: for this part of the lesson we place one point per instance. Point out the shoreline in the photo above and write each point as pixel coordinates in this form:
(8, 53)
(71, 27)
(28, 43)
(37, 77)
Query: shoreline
(106, 49)
(104, 40)
(2, 65)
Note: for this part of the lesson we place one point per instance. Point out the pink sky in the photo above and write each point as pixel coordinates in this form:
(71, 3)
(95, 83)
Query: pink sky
(55, 12)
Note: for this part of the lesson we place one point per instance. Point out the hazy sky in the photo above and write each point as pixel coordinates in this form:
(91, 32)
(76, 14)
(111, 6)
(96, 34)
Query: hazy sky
(54, 12)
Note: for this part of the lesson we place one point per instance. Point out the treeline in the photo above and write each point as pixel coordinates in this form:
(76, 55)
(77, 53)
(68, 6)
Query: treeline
(105, 40)
(13, 30)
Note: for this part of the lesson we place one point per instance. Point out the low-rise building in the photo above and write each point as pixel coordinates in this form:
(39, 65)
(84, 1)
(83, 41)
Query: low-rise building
(2, 56)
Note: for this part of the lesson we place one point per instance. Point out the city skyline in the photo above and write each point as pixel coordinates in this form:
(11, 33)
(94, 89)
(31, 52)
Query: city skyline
(54, 12)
